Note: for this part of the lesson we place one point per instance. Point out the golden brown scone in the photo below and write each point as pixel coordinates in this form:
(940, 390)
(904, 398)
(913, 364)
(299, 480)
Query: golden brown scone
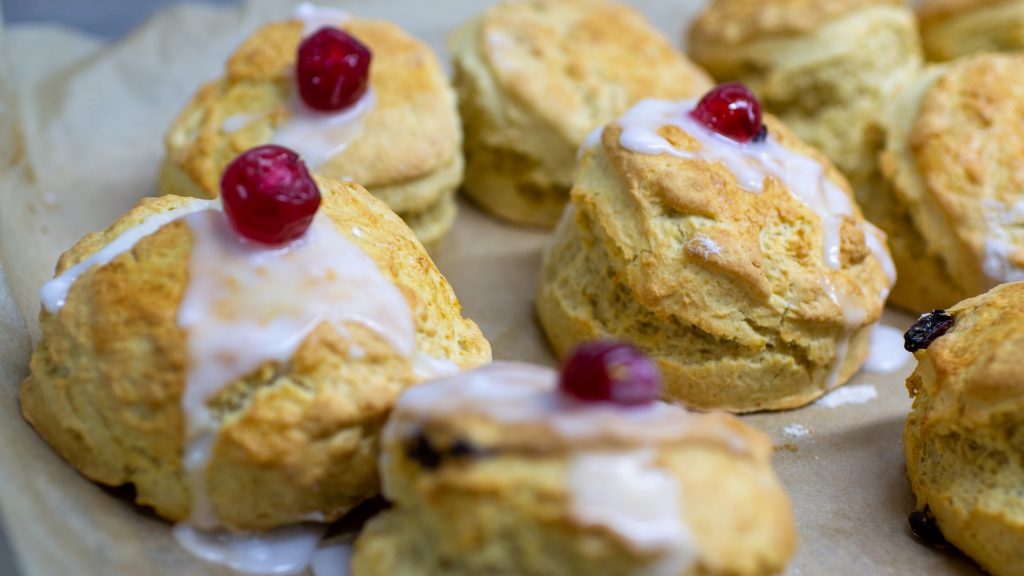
(534, 77)
(964, 438)
(953, 196)
(726, 287)
(295, 439)
(406, 148)
(826, 68)
(954, 28)
(490, 473)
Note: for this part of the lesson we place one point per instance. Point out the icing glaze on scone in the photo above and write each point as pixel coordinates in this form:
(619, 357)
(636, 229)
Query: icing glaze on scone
(246, 305)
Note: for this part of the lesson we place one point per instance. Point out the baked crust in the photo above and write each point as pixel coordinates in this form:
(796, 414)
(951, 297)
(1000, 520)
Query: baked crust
(744, 325)
(408, 152)
(964, 438)
(295, 440)
(534, 77)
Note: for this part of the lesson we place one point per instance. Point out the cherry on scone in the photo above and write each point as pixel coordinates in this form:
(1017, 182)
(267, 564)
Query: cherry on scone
(269, 196)
(733, 111)
(610, 372)
(332, 70)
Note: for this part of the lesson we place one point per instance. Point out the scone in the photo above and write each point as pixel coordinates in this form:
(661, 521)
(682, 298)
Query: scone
(964, 439)
(954, 28)
(496, 472)
(826, 68)
(738, 260)
(236, 384)
(952, 200)
(535, 77)
(401, 139)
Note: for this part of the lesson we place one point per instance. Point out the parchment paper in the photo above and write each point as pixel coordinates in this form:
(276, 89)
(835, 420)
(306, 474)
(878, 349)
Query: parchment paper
(81, 128)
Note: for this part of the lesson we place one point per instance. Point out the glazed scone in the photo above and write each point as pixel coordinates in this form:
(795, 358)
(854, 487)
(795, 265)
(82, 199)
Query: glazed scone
(534, 77)
(402, 140)
(954, 28)
(952, 200)
(234, 386)
(493, 472)
(964, 438)
(826, 68)
(744, 269)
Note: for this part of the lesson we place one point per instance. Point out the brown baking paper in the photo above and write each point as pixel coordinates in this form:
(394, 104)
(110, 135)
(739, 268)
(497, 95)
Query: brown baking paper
(81, 126)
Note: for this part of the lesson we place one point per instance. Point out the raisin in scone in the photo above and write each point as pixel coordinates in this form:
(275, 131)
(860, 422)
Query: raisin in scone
(500, 471)
(964, 438)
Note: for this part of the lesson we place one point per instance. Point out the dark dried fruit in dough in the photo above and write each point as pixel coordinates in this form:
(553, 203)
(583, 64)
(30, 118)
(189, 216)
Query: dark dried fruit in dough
(927, 329)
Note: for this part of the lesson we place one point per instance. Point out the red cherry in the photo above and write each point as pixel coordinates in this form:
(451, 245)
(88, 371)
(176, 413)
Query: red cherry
(333, 70)
(732, 110)
(268, 195)
(610, 372)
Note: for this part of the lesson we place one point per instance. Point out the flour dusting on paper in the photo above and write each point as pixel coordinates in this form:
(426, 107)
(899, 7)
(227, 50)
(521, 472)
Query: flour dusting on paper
(850, 394)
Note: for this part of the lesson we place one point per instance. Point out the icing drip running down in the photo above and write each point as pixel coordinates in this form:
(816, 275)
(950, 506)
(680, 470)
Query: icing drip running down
(999, 244)
(287, 550)
(319, 136)
(751, 164)
(623, 489)
(233, 329)
(626, 493)
(886, 354)
(55, 292)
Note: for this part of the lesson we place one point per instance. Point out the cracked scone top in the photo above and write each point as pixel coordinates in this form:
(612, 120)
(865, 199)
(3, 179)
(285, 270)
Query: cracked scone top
(953, 184)
(534, 77)
(493, 472)
(238, 386)
(964, 437)
(826, 68)
(954, 28)
(402, 140)
(744, 269)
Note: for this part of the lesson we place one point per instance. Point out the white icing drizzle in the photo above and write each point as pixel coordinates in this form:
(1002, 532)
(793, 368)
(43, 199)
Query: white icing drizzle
(286, 550)
(54, 293)
(319, 136)
(315, 17)
(233, 328)
(332, 559)
(515, 393)
(849, 394)
(886, 353)
(626, 493)
(750, 163)
(995, 262)
(236, 122)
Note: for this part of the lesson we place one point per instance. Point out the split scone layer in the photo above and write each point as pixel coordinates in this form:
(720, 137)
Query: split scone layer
(964, 438)
(489, 474)
(405, 148)
(747, 300)
(535, 77)
(294, 439)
